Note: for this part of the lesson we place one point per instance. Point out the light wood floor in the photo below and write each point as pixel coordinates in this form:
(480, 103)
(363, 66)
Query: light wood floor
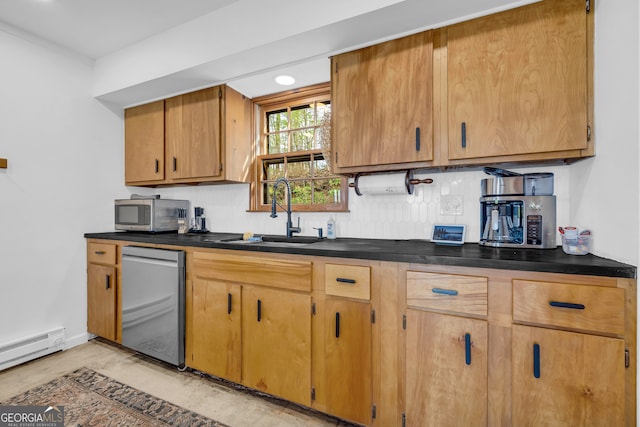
(204, 395)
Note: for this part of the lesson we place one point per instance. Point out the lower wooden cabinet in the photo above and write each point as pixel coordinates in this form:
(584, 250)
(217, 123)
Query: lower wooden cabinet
(446, 379)
(101, 301)
(567, 379)
(347, 356)
(102, 291)
(216, 341)
(276, 342)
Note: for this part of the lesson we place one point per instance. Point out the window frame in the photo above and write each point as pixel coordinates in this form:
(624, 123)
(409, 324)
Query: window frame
(283, 100)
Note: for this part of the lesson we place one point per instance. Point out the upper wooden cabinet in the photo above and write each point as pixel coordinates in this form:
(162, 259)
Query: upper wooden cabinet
(382, 105)
(517, 83)
(202, 136)
(516, 86)
(144, 143)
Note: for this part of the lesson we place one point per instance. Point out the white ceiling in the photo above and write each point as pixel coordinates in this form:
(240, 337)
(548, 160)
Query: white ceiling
(94, 28)
(149, 49)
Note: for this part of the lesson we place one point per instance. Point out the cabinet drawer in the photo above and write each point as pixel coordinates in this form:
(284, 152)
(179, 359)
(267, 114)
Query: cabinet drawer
(592, 308)
(274, 272)
(351, 281)
(101, 253)
(447, 292)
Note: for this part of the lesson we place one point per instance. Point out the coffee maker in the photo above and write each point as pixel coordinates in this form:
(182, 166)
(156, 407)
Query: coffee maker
(517, 210)
(199, 222)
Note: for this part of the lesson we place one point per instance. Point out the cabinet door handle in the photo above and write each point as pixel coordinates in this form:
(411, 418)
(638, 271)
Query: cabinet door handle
(259, 310)
(464, 135)
(99, 252)
(467, 349)
(157, 166)
(441, 291)
(337, 325)
(343, 280)
(108, 281)
(175, 164)
(417, 139)
(566, 305)
(536, 360)
(229, 299)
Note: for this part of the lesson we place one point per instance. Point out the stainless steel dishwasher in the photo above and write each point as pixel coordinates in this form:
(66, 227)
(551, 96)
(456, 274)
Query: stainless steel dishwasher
(153, 302)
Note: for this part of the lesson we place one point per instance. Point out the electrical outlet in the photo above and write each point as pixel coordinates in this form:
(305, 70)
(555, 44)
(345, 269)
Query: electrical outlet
(451, 205)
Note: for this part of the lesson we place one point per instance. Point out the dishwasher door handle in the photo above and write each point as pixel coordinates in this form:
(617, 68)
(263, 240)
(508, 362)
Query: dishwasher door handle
(150, 261)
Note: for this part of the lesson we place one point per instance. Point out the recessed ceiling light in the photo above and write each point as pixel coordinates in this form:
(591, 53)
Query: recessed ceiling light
(285, 80)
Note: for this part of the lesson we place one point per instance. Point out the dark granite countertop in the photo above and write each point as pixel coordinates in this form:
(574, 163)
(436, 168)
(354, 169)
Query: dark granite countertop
(409, 251)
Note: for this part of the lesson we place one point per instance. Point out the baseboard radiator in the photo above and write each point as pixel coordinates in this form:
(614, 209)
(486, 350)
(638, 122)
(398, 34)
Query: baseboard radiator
(24, 349)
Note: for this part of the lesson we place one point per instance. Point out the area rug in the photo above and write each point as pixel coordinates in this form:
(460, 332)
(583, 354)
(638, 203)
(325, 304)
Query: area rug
(92, 399)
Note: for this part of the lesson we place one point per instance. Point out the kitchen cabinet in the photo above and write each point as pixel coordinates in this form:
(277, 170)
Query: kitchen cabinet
(144, 143)
(201, 136)
(276, 343)
(216, 341)
(446, 354)
(250, 321)
(518, 84)
(382, 105)
(347, 342)
(567, 379)
(102, 302)
(572, 376)
(515, 86)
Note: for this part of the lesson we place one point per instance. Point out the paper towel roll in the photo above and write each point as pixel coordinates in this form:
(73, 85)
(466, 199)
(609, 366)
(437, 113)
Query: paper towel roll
(387, 183)
(390, 183)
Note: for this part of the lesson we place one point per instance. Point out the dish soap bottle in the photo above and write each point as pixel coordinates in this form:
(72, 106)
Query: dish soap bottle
(331, 229)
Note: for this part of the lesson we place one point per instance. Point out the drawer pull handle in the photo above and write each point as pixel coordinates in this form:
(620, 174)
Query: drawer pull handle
(343, 280)
(417, 139)
(229, 299)
(467, 349)
(440, 291)
(536, 360)
(108, 281)
(99, 252)
(337, 325)
(566, 305)
(464, 134)
(259, 310)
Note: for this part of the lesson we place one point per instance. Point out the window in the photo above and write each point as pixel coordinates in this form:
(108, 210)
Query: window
(293, 130)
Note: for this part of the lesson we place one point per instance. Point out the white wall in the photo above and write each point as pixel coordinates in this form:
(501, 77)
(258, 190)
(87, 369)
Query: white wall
(65, 166)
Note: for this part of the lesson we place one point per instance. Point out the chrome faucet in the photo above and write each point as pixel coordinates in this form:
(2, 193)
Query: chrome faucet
(290, 228)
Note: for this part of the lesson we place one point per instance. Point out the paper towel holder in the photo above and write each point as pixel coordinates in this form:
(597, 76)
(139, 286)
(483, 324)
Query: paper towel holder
(409, 181)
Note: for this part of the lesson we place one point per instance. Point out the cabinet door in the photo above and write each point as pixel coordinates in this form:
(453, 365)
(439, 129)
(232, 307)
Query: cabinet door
(101, 300)
(446, 370)
(348, 359)
(216, 336)
(567, 379)
(193, 134)
(517, 81)
(276, 343)
(144, 143)
(382, 103)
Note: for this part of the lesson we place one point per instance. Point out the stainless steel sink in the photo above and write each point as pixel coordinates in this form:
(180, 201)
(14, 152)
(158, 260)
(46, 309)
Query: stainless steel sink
(270, 240)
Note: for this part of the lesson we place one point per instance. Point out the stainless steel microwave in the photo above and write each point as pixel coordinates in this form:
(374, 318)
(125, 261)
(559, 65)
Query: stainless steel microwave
(148, 214)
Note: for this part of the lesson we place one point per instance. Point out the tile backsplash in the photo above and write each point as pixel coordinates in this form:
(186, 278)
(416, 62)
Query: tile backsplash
(393, 216)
